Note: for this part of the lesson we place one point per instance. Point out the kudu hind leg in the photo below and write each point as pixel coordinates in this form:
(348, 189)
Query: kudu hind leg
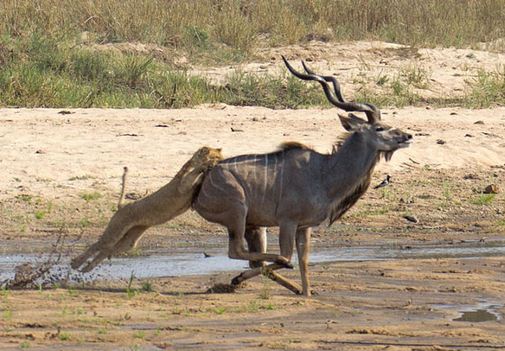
(287, 233)
(256, 242)
(237, 250)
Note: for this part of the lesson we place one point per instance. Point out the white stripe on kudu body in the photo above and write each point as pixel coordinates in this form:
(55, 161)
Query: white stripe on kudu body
(281, 180)
(265, 180)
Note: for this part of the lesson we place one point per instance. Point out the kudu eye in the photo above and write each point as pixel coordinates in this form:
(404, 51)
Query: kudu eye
(379, 129)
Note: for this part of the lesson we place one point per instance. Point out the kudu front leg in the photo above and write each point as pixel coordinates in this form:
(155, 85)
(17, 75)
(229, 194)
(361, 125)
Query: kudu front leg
(237, 250)
(303, 250)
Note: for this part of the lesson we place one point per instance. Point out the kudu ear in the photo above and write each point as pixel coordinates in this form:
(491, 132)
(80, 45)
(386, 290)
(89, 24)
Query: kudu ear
(351, 122)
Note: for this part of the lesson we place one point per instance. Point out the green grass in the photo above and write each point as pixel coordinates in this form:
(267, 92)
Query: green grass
(91, 196)
(140, 334)
(24, 197)
(147, 286)
(483, 199)
(130, 291)
(395, 91)
(40, 214)
(84, 223)
(415, 76)
(487, 89)
(7, 314)
(63, 336)
(219, 310)
(48, 74)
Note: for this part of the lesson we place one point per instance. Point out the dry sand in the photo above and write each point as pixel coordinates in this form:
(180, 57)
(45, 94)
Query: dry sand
(41, 144)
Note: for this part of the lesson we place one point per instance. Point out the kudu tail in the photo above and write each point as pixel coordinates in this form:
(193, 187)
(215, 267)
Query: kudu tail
(129, 223)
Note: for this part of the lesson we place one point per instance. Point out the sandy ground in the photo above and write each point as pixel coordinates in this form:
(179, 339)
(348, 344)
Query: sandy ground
(42, 149)
(442, 73)
(406, 305)
(61, 172)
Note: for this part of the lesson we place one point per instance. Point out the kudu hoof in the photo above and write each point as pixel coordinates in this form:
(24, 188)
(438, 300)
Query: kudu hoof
(237, 280)
(289, 265)
(285, 264)
(256, 264)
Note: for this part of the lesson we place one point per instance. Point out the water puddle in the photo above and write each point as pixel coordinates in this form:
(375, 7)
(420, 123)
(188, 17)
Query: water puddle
(478, 316)
(195, 263)
(484, 311)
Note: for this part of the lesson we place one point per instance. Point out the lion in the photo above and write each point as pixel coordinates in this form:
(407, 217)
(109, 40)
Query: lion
(129, 223)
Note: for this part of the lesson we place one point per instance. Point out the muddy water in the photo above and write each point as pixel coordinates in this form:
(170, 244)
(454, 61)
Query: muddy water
(478, 316)
(483, 311)
(195, 263)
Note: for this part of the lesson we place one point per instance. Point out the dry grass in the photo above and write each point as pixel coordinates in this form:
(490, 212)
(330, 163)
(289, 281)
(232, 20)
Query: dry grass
(246, 23)
(48, 55)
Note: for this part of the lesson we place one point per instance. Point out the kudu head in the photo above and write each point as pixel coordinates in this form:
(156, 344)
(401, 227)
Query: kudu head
(385, 139)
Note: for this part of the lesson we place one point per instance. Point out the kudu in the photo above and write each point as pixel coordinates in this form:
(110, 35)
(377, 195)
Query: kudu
(295, 188)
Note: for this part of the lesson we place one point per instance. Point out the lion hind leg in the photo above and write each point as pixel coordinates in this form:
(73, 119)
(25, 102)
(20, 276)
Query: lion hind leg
(79, 260)
(127, 242)
(109, 239)
(102, 255)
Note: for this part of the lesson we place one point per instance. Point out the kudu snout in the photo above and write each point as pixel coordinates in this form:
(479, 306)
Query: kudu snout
(404, 139)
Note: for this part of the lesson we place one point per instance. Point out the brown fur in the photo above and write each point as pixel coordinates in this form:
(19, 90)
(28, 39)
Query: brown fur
(131, 220)
(289, 145)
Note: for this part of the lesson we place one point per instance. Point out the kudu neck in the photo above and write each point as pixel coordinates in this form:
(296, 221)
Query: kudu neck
(352, 164)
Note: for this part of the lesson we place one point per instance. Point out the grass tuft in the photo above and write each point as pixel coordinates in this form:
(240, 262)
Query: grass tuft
(91, 196)
(483, 199)
(488, 89)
